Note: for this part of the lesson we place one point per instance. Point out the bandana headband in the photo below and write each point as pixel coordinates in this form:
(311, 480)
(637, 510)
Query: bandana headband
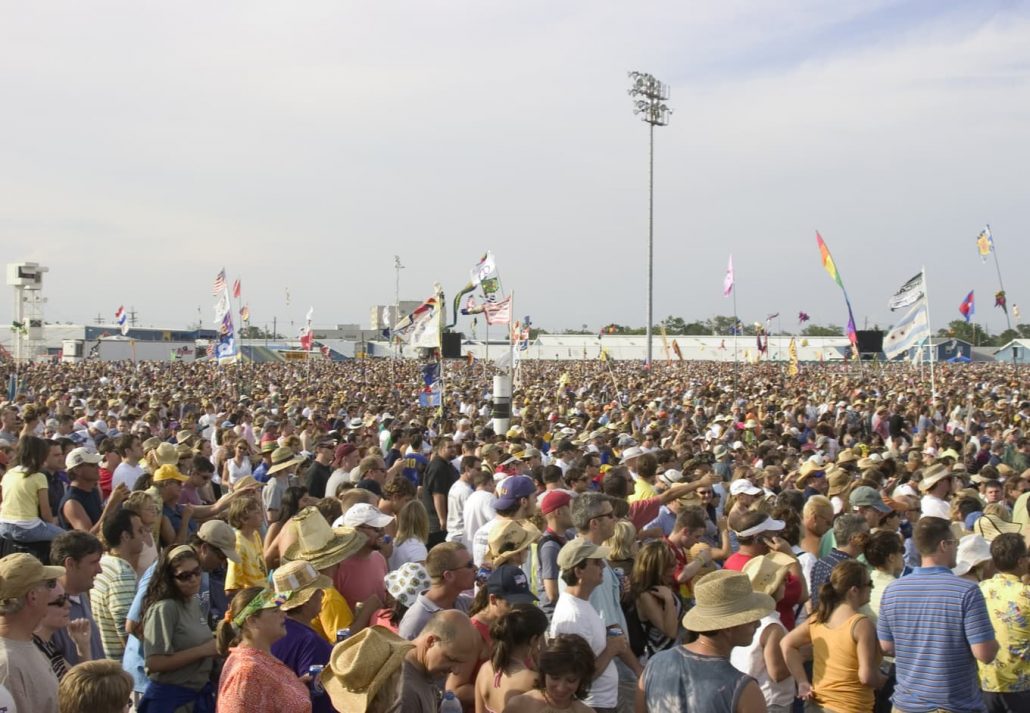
(266, 599)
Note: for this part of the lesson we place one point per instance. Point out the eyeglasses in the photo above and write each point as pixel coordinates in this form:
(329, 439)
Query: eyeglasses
(188, 575)
(703, 492)
(59, 602)
(610, 514)
(468, 565)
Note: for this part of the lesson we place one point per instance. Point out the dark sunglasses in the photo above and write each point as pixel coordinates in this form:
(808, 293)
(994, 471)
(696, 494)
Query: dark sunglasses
(59, 602)
(468, 565)
(187, 576)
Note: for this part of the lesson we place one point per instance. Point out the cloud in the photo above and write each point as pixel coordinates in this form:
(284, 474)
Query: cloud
(303, 146)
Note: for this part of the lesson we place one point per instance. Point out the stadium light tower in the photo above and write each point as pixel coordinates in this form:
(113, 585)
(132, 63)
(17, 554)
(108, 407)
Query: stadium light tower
(649, 97)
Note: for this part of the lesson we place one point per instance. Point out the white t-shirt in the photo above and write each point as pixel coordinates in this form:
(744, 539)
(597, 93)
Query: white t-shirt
(479, 508)
(127, 474)
(456, 498)
(573, 615)
(481, 541)
(7, 701)
(750, 659)
(411, 550)
(933, 506)
(338, 478)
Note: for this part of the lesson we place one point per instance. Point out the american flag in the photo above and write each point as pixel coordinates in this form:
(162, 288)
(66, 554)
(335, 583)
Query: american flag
(219, 286)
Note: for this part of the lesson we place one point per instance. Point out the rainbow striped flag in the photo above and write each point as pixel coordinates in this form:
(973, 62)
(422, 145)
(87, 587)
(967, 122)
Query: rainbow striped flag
(831, 269)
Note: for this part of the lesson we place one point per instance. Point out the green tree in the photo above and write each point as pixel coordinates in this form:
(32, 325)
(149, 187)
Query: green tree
(968, 332)
(1007, 336)
(674, 325)
(815, 330)
(720, 324)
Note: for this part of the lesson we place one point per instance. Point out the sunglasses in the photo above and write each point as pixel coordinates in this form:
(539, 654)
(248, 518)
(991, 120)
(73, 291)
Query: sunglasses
(468, 565)
(604, 514)
(187, 576)
(59, 602)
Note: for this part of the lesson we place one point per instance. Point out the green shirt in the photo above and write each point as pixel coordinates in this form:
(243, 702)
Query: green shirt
(170, 626)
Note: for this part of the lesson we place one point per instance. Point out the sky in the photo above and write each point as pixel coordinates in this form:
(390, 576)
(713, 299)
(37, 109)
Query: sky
(144, 146)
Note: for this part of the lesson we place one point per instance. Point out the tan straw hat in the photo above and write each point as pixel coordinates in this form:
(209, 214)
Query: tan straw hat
(166, 454)
(360, 665)
(725, 599)
(767, 572)
(990, 526)
(283, 458)
(509, 539)
(299, 580)
(318, 543)
(933, 475)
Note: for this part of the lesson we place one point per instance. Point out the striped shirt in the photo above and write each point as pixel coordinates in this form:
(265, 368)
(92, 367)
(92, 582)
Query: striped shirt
(933, 617)
(112, 595)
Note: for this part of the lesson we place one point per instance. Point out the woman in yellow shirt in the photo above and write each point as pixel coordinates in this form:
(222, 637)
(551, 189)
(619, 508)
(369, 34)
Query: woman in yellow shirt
(246, 518)
(25, 514)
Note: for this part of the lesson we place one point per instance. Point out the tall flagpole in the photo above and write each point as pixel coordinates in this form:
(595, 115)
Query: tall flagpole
(929, 340)
(1001, 285)
(736, 323)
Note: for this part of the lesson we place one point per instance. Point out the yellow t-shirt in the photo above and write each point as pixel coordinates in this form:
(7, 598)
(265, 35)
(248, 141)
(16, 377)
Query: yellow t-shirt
(335, 615)
(642, 490)
(21, 495)
(251, 571)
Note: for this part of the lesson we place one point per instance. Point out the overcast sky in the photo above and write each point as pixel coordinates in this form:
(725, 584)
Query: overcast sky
(301, 145)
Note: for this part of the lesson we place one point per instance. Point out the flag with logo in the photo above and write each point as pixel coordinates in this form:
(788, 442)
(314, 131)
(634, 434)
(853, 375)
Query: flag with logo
(985, 243)
(120, 317)
(421, 328)
(727, 281)
(908, 293)
(498, 312)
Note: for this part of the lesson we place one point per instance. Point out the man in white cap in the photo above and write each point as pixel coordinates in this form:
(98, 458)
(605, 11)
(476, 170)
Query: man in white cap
(936, 485)
(361, 575)
(80, 508)
(26, 590)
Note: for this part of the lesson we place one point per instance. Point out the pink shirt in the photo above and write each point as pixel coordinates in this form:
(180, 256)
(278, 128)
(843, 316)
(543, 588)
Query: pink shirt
(358, 578)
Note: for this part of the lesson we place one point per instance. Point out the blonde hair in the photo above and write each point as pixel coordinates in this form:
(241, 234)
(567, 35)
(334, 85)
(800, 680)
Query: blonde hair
(138, 500)
(100, 686)
(413, 521)
(620, 544)
(239, 509)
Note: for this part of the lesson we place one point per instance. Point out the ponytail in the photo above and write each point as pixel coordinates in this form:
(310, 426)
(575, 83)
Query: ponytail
(228, 634)
(834, 591)
(513, 630)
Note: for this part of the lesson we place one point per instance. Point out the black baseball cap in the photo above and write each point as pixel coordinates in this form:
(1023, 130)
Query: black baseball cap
(510, 584)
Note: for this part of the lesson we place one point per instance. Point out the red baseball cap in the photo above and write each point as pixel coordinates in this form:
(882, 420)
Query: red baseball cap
(553, 500)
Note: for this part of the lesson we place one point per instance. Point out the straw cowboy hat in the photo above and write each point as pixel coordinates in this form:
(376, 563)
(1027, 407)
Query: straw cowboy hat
(838, 479)
(933, 475)
(299, 581)
(319, 544)
(808, 468)
(283, 458)
(166, 454)
(768, 572)
(359, 666)
(725, 599)
(510, 539)
(846, 456)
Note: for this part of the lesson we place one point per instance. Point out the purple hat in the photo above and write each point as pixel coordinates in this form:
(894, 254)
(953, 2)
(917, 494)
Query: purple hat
(512, 489)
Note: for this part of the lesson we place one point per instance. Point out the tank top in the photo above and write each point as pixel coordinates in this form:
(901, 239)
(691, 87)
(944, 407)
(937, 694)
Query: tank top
(835, 683)
(680, 681)
(751, 660)
(90, 502)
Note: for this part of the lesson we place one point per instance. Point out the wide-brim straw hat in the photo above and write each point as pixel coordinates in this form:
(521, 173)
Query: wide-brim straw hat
(318, 543)
(933, 475)
(990, 526)
(283, 458)
(299, 580)
(725, 599)
(516, 536)
(360, 665)
(166, 454)
(767, 572)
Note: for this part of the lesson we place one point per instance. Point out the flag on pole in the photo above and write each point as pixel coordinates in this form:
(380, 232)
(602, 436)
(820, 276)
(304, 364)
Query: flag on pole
(219, 286)
(999, 301)
(498, 312)
(792, 350)
(421, 328)
(307, 337)
(1015, 310)
(482, 270)
(245, 313)
(984, 243)
(967, 308)
(727, 282)
(120, 317)
(236, 288)
(909, 332)
(676, 350)
(831, 269)
(908, 293)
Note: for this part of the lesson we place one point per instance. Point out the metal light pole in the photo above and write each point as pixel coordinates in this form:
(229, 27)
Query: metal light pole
(649, 97)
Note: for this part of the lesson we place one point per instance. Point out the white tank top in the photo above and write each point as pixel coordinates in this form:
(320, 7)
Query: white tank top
(751, 660)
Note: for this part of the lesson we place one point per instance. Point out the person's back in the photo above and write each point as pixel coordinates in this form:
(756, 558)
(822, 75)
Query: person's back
(835, 664)
(681, 681)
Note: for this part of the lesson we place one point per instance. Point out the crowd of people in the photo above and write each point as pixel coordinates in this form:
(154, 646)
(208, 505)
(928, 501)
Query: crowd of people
(183, 538)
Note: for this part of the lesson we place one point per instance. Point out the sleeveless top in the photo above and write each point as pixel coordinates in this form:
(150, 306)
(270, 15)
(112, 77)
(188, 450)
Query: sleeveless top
(680, 681)
(90, 502)
(751, 660)
(835, 683)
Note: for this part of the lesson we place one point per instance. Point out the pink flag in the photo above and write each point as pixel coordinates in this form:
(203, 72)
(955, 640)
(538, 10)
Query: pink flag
(498, 312)
(727, 283)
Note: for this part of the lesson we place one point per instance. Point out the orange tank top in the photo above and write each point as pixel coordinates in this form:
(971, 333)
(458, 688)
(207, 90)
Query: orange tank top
(835, 683)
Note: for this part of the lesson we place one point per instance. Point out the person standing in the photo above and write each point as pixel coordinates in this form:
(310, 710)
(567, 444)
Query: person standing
(451, 572)
(582, 566)
(457, 496)
(318, 473)
(130, 448)
(115, 586)
(1006, 680)
(479, 508)
(79, 553)
(439, 477)
(936, 625)
(25, 591)
(698, 677)
(81, 508)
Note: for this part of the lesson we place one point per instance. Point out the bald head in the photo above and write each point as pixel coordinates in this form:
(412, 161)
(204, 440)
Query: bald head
(446, 644)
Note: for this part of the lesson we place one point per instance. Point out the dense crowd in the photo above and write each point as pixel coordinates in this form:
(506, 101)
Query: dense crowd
(183, 538)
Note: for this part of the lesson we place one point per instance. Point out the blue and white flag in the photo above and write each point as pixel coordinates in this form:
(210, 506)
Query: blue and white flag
(120, 317)
(913, 328)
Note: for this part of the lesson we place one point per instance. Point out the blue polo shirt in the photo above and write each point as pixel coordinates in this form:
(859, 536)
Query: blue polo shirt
(933, 617)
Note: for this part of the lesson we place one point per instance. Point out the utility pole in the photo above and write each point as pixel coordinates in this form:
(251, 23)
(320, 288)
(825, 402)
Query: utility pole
(650, 96)
(132, 316)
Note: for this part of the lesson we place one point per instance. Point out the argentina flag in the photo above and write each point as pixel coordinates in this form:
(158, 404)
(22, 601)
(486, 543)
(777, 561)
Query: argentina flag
(913, 328)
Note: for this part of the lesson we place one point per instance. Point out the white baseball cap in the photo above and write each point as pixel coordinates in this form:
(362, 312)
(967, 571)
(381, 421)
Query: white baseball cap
(743, 486)
(365, 514)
